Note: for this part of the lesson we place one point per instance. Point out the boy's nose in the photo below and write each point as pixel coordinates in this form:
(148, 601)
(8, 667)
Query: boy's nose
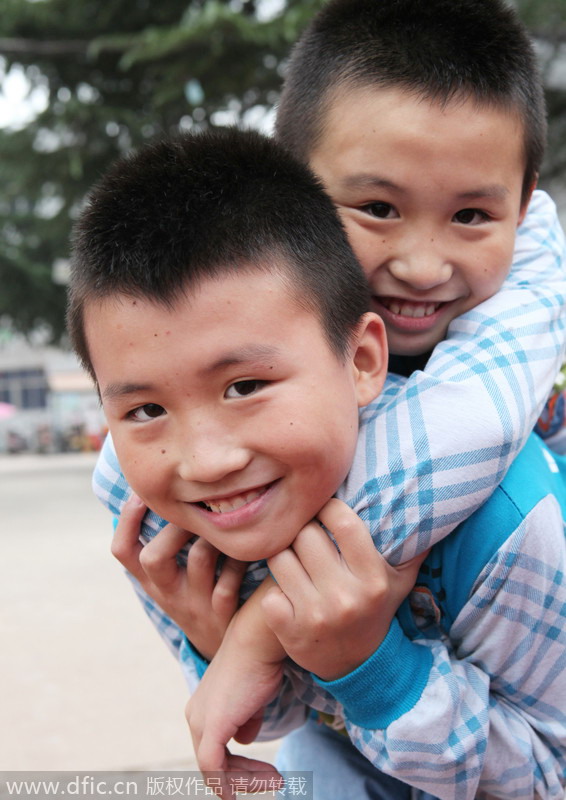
(208, 458)
(421, 270)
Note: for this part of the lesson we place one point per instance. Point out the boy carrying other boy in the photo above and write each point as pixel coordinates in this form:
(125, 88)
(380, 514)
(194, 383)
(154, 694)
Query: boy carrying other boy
(216, 301)
(506, 371)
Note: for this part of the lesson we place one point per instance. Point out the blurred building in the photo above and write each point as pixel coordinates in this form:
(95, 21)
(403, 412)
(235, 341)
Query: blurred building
(47, 402)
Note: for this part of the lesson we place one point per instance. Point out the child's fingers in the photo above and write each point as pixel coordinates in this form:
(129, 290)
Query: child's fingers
(351, 534)
(278, 611)
(401, 579)
(252, 776)
(316, 551)
(212, 757)
(318, 554)
(226, 593)
(360, 555)
(126, 546)
(201, 575)
(289, 572)
(248, 733)
(201, 567)
(158, 557)
(244, 776)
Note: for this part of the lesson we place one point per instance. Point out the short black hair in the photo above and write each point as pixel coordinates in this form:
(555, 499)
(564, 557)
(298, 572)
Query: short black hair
(196, 206)
(438, 50)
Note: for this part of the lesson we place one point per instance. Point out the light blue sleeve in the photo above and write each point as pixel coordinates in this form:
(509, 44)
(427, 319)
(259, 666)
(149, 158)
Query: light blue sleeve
(479, 713)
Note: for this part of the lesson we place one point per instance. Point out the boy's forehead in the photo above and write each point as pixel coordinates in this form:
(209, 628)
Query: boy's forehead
(231, 318)
(365, 127)
(346, 107)
(275, 275)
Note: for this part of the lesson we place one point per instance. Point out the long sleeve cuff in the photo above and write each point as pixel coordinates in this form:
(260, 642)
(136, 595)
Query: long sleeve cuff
(385, 686)
(190, 653)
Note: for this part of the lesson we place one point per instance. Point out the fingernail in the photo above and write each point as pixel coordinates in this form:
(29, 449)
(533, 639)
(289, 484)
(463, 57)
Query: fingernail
(135, 501)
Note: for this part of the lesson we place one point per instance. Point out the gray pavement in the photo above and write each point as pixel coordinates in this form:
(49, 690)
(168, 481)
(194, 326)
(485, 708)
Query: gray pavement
(85, 682)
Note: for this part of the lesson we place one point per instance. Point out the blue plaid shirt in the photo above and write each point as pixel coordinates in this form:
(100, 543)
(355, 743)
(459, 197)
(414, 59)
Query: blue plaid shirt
(431, 450)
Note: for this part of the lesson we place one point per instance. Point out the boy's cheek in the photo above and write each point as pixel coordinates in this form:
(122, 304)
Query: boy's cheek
(366, 245)
(138, 467)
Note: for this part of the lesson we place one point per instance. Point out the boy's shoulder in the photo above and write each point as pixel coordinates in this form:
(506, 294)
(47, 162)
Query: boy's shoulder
(529, 503)
(535, 474)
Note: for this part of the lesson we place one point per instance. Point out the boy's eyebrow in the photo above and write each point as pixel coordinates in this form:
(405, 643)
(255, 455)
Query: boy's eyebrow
(364, 180)
(496, 191)
(253, 352)
(118, 389)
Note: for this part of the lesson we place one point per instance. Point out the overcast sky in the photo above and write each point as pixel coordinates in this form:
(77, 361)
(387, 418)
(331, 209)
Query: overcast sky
(17, 104)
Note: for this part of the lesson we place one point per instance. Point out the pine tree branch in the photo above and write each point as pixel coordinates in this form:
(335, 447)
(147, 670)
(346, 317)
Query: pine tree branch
(44, 48)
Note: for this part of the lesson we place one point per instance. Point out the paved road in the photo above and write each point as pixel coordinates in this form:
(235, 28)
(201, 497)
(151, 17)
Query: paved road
(85, 682)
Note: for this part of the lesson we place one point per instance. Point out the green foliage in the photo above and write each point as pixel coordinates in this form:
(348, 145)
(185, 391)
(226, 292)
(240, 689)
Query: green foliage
(120, 71)
(115, 74)
(546, 20)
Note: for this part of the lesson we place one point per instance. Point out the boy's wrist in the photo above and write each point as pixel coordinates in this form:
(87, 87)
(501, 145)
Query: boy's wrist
(385, 686)
(249, 631)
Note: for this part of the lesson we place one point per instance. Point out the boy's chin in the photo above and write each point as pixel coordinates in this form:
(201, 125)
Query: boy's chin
(253, 553)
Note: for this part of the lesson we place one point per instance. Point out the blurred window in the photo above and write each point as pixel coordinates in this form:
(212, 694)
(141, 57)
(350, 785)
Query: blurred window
(24, 388)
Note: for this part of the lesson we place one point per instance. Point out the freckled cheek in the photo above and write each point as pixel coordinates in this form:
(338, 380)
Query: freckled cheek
(292, 443)
(366, 251)
(360, 239)
(145, 471)
(492, 275)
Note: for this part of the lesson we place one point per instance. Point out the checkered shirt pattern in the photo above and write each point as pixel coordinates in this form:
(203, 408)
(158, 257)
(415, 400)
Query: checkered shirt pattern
(431, 450)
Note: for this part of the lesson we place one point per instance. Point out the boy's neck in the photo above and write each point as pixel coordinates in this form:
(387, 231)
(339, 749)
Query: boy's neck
(406, 365)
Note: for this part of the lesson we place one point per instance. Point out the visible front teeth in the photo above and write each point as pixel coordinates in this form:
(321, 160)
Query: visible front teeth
(232, 503)
(409, 309)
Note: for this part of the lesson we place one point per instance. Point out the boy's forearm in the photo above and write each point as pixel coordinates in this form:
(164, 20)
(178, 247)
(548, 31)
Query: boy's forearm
(243, 678)
(488, 695)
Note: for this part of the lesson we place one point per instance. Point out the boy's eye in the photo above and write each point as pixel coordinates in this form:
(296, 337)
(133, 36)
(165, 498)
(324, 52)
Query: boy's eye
(470, 216)
(381, 210)
(244, 388)
(147, 412)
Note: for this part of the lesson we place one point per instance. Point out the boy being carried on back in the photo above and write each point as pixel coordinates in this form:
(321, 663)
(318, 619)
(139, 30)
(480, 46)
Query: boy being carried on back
(483, 395)
(196, 337)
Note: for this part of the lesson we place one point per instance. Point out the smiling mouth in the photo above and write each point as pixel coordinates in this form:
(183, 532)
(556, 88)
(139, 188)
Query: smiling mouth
(222, 505)
(409, 308)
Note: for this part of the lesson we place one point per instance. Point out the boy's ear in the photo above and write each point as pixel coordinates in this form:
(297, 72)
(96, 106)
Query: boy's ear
(527, 200)
(370, 357)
